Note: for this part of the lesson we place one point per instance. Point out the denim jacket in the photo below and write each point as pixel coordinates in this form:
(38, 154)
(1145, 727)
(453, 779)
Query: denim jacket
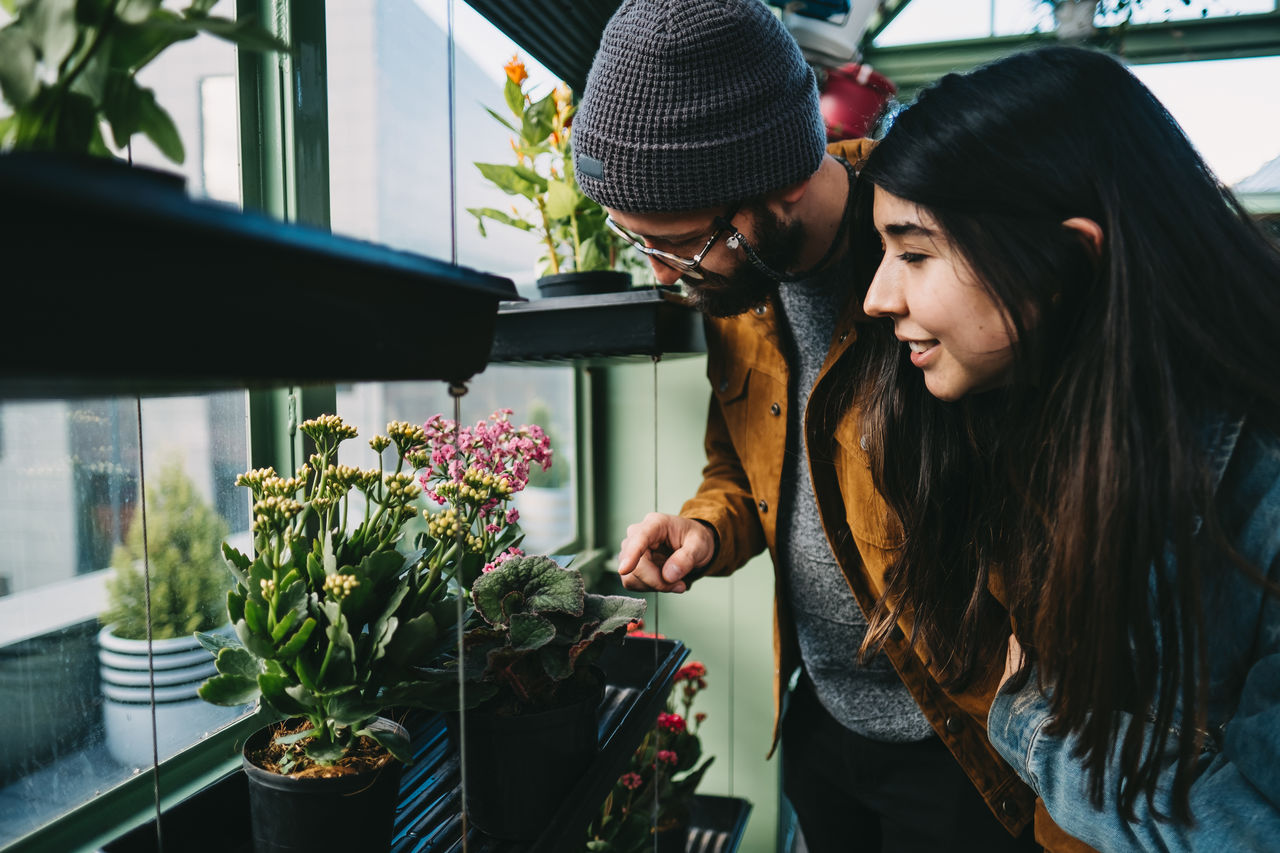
(1235, 796)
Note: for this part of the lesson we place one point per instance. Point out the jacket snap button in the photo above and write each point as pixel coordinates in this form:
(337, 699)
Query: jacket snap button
(954, 725)
(724, 385)
(864, 442)
(843, 335)
(775, 409)
(764, 506)
(1009, 807)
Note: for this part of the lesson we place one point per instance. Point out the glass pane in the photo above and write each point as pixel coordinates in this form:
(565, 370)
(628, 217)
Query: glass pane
(1218, 105)
(77, 695)
(389, 131)
(195, 82)
(938, 20)
(541, 395)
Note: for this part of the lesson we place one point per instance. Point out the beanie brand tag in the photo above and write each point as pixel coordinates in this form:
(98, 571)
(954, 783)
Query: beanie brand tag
(591, 167)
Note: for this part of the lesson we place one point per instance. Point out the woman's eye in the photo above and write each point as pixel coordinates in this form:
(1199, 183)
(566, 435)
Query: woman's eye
(911, 257)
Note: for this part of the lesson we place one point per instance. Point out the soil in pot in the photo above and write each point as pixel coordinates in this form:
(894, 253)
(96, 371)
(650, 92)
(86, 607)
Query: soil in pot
(345, 807)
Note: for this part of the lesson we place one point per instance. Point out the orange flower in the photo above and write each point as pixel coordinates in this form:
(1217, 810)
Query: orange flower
(516, 72)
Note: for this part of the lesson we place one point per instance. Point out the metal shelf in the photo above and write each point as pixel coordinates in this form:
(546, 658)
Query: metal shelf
(120, 283)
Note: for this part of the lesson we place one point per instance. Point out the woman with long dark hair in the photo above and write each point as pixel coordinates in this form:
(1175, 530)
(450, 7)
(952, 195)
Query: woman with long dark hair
(1075, 419)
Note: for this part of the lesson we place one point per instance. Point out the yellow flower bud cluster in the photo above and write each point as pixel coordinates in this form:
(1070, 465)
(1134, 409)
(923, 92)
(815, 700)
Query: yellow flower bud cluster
(274, 512)
(254, 479)
(477, 488)
(406, 435)
(268, 587)
(402, 488)
(379, 443)
(326, 427)
(443, 525)
(339, 586)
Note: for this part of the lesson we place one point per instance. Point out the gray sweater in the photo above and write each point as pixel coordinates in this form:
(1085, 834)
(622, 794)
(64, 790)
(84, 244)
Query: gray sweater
(869, 699)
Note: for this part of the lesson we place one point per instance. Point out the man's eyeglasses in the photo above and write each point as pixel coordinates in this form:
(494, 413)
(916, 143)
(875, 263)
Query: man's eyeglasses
(691, 267)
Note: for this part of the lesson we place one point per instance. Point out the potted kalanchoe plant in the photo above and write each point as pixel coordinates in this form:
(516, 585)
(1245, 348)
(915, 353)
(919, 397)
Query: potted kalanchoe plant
(331, 617)
(649, 806)
(582, 254)
(528, 668)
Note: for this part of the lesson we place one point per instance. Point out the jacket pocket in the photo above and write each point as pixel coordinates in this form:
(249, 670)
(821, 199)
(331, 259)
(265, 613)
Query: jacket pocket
(868, 515)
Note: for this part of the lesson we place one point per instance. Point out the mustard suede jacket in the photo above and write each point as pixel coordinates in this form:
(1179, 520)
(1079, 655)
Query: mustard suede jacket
(739, 494)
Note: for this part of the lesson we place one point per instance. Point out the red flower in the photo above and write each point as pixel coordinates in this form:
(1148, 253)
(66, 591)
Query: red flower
(699, 717)
(691, 671)
(666, 756)
(630, 781)
(671, 722)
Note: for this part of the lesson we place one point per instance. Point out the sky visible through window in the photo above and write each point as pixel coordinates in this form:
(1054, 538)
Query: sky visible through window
(1227, 107)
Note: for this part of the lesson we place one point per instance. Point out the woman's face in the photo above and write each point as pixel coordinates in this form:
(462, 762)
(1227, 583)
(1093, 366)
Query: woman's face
(957, 334)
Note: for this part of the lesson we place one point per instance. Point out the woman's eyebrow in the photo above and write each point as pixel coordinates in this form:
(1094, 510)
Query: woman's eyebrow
(908, 229)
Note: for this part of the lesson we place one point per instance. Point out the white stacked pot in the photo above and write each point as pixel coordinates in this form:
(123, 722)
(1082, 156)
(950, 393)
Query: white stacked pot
(181, 717)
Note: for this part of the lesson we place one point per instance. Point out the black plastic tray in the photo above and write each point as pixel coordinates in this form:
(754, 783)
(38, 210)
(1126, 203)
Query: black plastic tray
(601, 328)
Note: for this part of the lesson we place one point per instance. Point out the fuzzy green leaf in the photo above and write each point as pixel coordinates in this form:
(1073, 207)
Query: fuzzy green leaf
(530, 631)
(276, 693)
(215, 643)
(528, 585)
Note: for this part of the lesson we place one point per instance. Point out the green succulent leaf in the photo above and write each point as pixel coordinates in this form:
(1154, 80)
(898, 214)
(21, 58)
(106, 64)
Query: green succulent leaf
(236, 660)
(237, 563)
(51, 25)
(537, 124)
(276, 692)
(299, 640)
(135, 45)
(394, 742)
(215, 643)
(323, 752)
(136, 11)
(352, 709)
(226, 689)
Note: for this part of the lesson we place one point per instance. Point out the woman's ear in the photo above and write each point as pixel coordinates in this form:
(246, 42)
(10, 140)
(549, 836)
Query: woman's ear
(1088, 231)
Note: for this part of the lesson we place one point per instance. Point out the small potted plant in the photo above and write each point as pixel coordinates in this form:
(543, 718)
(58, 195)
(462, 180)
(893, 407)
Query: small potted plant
(582, 254)
(528, 670)
(663, 774)
(184, 590)
(70, 68)
(331, 617)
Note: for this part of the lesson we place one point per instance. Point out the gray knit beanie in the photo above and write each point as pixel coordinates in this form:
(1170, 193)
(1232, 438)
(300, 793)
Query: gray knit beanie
(695, 103)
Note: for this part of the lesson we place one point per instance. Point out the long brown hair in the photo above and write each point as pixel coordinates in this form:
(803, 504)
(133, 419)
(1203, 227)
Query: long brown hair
(1085, 481)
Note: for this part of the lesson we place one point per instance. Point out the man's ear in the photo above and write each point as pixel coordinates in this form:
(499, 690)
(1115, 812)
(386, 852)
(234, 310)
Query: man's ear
(791, 194)
(1089, 232)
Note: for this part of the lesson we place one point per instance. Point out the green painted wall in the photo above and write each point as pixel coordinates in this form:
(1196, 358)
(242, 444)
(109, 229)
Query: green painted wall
(727, 623)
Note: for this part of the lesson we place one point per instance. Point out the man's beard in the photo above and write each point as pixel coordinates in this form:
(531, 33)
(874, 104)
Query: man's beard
(746, 287)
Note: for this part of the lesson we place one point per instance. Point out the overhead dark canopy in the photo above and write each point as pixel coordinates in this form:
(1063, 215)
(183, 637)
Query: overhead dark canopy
(561, 34)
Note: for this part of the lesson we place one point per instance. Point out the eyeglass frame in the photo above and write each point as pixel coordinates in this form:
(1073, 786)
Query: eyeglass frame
(691, 267)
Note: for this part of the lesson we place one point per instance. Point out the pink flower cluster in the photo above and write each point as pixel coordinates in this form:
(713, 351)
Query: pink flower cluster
(509, 554)
(493, 448)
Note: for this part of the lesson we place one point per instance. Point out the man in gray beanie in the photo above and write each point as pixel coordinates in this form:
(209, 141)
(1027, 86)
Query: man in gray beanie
(699, 132)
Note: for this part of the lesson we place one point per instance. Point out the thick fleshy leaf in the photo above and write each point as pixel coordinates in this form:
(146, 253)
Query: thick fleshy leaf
(237, 563)
(411, 643)
(352, 709)
(18, 81)
(216, 642)
(276, 693)
(236, 660)
(136, 11)
(392, 741)
(299, 640)
(228, 690)
(324, 753)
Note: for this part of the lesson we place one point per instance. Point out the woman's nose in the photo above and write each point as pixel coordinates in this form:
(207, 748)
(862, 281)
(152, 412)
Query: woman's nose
(883, 297)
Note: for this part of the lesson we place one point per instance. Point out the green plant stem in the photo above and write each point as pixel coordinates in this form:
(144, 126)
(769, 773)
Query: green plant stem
(546, 236)
(108, 16)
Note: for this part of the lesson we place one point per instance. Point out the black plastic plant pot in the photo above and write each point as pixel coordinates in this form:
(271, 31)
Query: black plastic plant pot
(520, 769)
(584, 283)
(341, 813)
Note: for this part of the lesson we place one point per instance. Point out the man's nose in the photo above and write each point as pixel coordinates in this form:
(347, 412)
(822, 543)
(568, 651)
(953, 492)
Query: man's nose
(664, 273)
